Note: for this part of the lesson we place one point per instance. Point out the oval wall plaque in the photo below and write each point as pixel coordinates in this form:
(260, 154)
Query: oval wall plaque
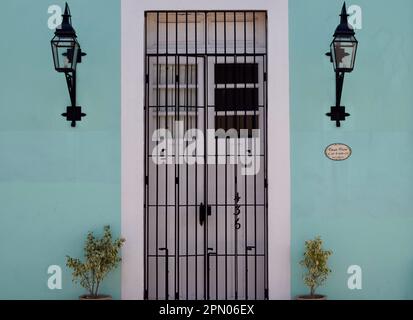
(338, 152)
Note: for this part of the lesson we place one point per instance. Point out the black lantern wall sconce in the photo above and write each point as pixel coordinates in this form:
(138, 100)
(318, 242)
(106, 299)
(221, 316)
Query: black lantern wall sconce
(342, 54)
(66, 55)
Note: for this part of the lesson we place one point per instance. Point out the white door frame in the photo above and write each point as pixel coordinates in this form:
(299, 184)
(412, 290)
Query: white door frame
(132, 133)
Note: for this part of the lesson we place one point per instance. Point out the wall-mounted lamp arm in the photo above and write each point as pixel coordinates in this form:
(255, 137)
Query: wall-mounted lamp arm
(338, 113)
(71, 86)
(73, 113)
(339, 87)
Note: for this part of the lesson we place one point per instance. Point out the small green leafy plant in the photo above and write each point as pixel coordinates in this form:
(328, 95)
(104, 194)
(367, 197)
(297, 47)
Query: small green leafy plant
(101, 256)
(315, 261)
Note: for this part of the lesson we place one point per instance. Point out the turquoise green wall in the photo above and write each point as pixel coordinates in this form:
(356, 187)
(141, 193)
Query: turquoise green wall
(56, 182)
(361, 207)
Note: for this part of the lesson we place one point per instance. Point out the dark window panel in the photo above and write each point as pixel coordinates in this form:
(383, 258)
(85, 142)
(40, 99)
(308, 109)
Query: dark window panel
(236, 73)
(237, 122)
(236, 99)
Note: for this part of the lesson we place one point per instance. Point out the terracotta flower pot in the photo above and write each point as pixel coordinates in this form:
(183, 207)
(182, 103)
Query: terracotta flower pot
(314, 297)
(99, 297)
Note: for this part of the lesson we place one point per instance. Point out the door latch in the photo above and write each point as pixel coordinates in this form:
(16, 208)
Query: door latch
(203, 212)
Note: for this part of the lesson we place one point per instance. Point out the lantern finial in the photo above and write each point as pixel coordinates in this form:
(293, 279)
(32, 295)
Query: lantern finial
(344, 28)
(66, 28)
(344, 15)
(67, 10)
(66, 16)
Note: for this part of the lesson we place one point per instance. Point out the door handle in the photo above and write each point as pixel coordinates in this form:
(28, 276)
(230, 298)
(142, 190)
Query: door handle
(203, 212)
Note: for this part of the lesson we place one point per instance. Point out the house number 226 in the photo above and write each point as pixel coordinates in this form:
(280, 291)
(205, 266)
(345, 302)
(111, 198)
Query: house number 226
(237, 211)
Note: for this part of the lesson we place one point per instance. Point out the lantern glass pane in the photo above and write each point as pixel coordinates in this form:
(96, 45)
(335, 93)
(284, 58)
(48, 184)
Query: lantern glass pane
(64, 51)
(343, 50)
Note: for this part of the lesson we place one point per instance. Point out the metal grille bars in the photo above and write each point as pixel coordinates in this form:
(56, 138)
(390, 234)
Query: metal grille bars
(205, 155)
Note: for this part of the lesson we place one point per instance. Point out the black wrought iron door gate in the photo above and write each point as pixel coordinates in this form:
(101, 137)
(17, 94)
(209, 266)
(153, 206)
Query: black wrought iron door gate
(205, 211)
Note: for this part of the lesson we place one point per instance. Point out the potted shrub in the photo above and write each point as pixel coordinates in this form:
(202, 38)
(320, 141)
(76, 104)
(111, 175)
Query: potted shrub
(101, 256)
(315, 261)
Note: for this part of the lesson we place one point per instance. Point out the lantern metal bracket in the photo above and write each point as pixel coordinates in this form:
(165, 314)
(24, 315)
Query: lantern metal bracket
(338, 113)
(71, 86)
(73, 113)
(339, 86)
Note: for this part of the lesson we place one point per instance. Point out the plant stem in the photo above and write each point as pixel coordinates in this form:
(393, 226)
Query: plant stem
(93, 283)
(97, 288)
